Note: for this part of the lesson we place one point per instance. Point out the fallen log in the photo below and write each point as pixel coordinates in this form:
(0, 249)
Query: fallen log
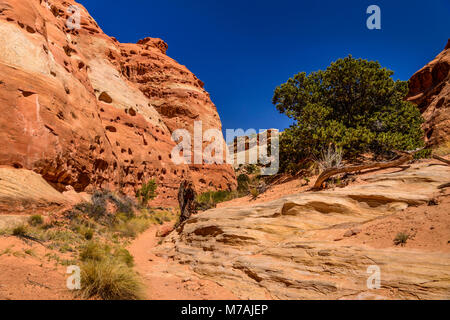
(404, 158)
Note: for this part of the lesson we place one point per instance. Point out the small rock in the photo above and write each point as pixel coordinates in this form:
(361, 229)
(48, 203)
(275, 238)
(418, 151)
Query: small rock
(352, 232)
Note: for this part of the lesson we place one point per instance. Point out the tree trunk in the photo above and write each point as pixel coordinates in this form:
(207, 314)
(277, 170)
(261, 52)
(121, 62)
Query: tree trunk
(186, 198)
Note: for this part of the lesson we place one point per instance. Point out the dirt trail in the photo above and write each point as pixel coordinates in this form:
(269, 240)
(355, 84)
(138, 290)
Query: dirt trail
(178, 284)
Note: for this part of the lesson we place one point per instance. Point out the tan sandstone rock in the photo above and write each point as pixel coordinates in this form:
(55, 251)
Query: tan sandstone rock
(287, 249)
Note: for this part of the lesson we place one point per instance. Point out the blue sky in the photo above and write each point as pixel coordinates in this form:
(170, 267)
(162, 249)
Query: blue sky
(243, 49)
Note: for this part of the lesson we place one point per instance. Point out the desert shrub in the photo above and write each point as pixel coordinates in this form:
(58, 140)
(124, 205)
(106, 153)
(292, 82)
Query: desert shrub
(94, 251)
(353, 104)
(110, 280)
(330, 158)
(243, 181)
(88, 233)
(401, 239)
(133, 227)
(254, 192)
(98, 207)
(107, 273)
(210, 199)
(252, 169)
(20, 231)
(124, 256)
(36, 220)
(147, 192)
(161, 216)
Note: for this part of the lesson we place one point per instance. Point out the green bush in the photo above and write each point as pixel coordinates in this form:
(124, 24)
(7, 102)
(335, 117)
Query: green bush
(94, 251)
(147, 192)
(210, 199)
(401, 239)
(36, 220)
(20, 231)
(354, 104)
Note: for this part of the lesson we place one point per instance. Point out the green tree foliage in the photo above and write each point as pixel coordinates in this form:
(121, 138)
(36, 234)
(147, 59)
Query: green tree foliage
(354, 104)
(147, 192)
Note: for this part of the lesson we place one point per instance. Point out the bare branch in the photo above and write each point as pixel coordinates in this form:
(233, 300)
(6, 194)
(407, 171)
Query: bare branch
(405, 156)
(442, 160)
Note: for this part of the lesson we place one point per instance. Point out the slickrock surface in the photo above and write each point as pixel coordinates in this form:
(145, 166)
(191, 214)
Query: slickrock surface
(319, 245)
(25, 191)
(85, 111)
(430, 90)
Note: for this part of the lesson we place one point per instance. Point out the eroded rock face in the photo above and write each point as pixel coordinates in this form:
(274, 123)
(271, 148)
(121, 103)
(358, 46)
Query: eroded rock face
(430, 90)
(285, 249)
(85, 111)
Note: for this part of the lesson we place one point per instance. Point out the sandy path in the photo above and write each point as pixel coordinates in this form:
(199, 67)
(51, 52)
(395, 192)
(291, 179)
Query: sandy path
(178, 284)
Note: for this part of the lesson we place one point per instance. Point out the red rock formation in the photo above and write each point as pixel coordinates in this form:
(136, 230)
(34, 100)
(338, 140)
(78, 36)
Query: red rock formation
(85, 111)
(430, 90)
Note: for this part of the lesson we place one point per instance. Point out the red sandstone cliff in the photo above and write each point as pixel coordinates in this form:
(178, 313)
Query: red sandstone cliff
(430, 90)
(83, 110)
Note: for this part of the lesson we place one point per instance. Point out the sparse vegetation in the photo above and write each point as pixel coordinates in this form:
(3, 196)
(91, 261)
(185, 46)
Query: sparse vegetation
(132, 227)
(210, 199)
(94, 235)
(147, 192)
(36, 220)
(330, 158)
(401, 239)
(94, 251)
(20, 231)
(443, 149)
(104, 207)
(124, 256)
(243, 181)
(254, 192)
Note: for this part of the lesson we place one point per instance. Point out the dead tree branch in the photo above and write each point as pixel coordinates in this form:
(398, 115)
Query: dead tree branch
(404, 158)
(442, 160)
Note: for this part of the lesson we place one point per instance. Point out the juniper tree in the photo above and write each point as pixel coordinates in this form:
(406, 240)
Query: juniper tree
(354, 104)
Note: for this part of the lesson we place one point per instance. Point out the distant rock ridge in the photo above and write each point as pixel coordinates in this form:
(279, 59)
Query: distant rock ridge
(429, 88)
(85, 111)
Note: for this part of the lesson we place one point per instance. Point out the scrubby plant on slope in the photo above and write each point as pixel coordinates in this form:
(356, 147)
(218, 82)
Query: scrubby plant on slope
(354, 104)
(147, 192)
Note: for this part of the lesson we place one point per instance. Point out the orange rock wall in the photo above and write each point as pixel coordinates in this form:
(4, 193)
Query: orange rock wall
(86, 111)
(430, 90)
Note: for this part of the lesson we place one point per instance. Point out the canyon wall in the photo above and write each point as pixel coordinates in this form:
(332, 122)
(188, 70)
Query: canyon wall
(87, 112)
(430, 90)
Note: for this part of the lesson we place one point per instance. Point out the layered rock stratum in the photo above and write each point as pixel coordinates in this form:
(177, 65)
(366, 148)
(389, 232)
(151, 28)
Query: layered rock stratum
(326, 245)
(430, 90)
(87, 112)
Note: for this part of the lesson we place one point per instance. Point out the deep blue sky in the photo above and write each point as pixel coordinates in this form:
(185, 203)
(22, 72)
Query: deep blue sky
(243, 49)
